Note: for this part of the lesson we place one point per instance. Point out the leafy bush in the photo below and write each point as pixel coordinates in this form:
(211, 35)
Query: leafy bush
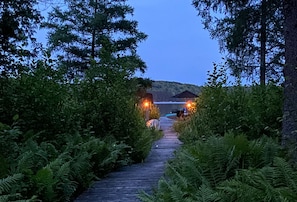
(39, 99)
(61, 136)
(180, 125)
(254, 111)
(154, 112)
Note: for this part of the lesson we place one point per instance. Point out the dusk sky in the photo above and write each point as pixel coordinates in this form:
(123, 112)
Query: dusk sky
(178, 48)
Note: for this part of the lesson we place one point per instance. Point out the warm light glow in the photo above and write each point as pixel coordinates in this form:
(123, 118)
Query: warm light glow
(189, 105)
(146, 104)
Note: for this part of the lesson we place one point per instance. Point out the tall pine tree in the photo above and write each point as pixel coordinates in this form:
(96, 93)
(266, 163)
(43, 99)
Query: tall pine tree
(95, 32)
(251, 31)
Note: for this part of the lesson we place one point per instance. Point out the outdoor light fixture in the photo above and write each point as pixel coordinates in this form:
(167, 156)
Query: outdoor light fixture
(189, 104)
(146, 104)
(191, 107)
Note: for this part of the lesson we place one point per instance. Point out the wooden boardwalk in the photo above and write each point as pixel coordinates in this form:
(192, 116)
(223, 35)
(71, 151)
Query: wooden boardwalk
(125, 184)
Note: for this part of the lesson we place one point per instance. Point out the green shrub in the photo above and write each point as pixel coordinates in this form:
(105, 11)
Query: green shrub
(61, 136)
(38, 98)
(180, 125)
(154, 112)
(254, 110)
(156, 134)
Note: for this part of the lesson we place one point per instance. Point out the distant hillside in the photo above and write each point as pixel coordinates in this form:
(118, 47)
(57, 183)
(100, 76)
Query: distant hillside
(164, 90)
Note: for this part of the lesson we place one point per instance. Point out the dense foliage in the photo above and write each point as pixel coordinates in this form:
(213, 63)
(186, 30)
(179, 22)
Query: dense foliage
(18, 21)
(153, 112)
(231, 149)
(255, 110)
(57, 134)
(56, 138)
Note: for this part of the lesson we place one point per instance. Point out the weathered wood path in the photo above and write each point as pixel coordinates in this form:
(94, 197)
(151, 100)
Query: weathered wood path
(125, 184)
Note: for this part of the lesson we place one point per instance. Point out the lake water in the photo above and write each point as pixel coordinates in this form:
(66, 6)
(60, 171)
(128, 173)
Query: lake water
(169, 107)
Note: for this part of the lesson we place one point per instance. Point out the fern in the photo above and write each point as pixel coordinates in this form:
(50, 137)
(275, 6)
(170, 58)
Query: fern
(7, 194)
(206, 194)
(45, 183)
(25, 161)
(144, 197)
(182, 181)
(277, 183)
(4, 198)
(7, 183)
(32, 199)
(262, 152)
(285, 179)
(65, 185)
(215, 170)
(81, 169)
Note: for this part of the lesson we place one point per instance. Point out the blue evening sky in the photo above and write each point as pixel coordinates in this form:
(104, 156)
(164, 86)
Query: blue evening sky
(178, 48)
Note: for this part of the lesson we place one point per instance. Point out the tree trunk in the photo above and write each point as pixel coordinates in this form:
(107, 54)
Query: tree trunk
(289, 130)
(94, 32)
(263, 42)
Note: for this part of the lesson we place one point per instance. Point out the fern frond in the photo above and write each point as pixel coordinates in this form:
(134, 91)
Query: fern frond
(284, 174)
(145, 197)
(25, 161)
(63, 170)
(4, 198)
(176, 193)
(64, 183)
(164, 190)
(178, 179)
(236, 190)
(256, 185)
(206, 194)
(7, 183)
(81, 169)
(262, 152)
(56, 163)
(16, 198)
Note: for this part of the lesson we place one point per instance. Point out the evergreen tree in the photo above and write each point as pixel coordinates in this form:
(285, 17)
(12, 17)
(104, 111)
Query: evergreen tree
(251, 32)
(95, 32)
(18, 21)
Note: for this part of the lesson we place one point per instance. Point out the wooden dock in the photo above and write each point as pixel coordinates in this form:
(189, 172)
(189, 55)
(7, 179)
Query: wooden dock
(125, 184)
